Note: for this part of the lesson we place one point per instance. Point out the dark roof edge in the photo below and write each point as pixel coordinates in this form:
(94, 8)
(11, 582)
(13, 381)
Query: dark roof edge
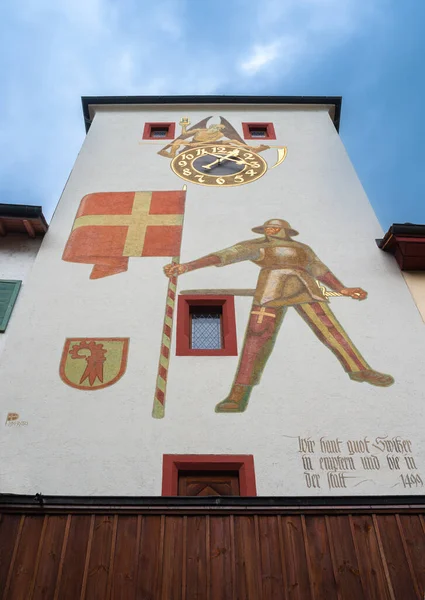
(408, 229)
(23, 211)
(223, 501)
(222, 99)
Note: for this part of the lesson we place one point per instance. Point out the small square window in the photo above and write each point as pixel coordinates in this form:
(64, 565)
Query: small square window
(208, 475)
(252, 131)
(159, 132)
(155, 131)
(206, 326)
(258, 132)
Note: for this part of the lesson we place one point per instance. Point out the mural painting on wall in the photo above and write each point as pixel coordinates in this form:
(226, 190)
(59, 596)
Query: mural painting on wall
(216, 155)
(93, 363)
(289, 276)
(109, 228)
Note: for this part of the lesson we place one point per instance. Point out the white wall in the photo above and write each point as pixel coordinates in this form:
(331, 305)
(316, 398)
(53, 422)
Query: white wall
(17, 255)
(105, 441)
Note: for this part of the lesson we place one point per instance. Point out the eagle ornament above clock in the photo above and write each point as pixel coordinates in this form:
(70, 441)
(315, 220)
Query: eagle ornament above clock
(216, 155)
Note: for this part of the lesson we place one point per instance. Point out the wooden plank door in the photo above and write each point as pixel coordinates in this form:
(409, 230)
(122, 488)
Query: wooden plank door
(208, 483)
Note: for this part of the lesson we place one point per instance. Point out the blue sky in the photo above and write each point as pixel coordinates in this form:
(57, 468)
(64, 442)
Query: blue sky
(371, 52)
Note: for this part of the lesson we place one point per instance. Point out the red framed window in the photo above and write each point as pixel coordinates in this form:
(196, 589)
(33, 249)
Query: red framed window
(193, 474)
(258, 131)
(159, 131)
(206, 326)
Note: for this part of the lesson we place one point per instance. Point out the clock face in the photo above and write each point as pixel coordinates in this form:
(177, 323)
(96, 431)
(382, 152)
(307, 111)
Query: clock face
(216, 165)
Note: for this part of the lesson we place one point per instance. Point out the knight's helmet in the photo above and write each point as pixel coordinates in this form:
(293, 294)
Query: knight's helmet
(284, 226)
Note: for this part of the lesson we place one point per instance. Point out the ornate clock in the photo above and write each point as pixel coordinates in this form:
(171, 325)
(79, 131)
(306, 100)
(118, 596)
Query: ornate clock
(219, 165)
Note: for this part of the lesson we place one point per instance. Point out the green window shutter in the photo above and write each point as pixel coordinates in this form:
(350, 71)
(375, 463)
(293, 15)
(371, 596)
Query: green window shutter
(9, 291)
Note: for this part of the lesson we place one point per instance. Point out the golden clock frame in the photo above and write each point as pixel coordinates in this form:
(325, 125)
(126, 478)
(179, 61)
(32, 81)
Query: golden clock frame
(195, 175)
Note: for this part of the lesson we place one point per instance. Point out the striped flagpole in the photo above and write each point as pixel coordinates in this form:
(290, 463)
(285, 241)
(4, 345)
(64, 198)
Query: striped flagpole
(158, 411)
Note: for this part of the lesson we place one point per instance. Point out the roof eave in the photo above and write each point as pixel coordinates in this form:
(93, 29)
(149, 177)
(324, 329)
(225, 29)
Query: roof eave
(87, 101)
(22, 219)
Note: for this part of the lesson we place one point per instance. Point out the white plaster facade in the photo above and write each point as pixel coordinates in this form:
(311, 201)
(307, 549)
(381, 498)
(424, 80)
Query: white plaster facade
(17, 255)
(105, 442)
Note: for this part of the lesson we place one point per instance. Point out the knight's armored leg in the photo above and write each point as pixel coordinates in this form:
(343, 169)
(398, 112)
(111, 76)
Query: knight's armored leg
(326, 326)
(260, 336)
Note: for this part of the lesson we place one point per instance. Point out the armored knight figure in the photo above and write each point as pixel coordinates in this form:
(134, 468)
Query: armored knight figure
(289, 272)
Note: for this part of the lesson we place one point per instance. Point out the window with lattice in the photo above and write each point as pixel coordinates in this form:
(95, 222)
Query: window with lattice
(206, 326)
(154, 131)
(252, 131)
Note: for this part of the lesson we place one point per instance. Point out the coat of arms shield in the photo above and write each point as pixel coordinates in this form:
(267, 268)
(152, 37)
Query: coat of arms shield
(93, 363)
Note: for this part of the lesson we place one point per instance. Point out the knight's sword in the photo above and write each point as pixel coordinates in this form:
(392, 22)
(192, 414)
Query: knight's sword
(249, 292)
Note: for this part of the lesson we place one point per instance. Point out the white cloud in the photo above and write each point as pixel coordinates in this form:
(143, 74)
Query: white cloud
(261, 55)
(63, 49)
(85, 14)
(55, 51)
(302, 30)
(168, 18)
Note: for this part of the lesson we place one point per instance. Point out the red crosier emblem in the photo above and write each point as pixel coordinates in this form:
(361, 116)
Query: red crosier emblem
(93, 363)
(94, 360)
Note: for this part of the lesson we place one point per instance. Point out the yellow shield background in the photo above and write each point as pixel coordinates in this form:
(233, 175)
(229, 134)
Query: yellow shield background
(72, 370)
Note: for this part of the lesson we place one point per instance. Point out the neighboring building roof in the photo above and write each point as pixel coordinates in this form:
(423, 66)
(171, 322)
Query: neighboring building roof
(90, 102)
(407, 242)
(20, 218)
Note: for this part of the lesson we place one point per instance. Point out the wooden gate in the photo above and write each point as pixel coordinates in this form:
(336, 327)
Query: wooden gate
(245, 549)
